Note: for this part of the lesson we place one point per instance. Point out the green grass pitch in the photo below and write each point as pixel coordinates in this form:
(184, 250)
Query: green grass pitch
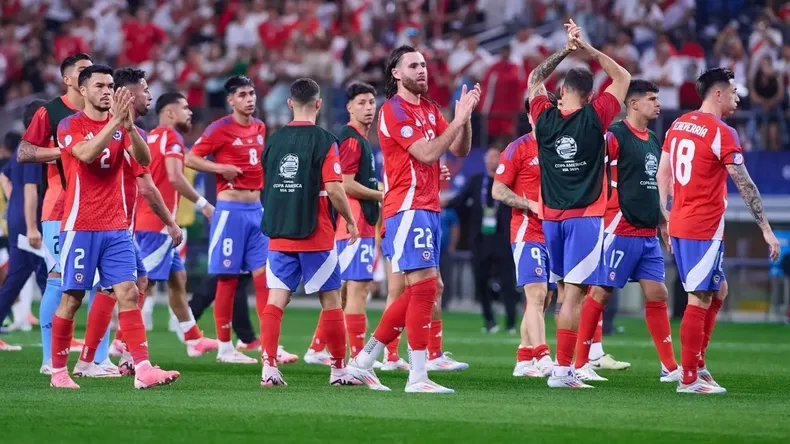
(225, 403)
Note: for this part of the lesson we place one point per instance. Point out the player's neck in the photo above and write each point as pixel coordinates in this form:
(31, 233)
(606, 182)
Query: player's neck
(709, 108)
(409, 96)
(241, 118)
(75, 98)
(360, 127)
(166, 124)
(95, 114)
(636, 122)
(301, 116)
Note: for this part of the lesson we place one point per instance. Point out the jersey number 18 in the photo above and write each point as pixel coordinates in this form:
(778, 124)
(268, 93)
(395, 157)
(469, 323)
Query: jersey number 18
(683, 153)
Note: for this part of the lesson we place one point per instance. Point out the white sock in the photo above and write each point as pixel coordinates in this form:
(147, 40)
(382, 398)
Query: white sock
(417, 360)
(561, 371)
(596, 351)
(186, 326)
(225, 347)
(148, 305)
(370, 352)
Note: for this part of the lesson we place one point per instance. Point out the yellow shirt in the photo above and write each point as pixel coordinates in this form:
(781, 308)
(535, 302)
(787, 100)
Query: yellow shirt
(185, 216)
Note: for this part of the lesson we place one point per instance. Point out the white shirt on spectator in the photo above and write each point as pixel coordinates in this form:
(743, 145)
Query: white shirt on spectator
(462, 56)
(165, 76)
(528, 48)
(632, 12)
(739, 67)
(674, 13)
(672, 70)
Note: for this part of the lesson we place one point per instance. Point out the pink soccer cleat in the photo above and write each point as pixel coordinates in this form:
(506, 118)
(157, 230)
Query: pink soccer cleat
(116, 348)
(126, 365)
(248, 346)
(61, 379)
(198, 347)
(5, 346)
(283, 357)
(147, 376)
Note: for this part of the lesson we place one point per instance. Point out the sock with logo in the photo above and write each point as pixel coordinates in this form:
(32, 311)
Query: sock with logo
(435, 340)
(596, 349)
(691, 336)
(334, 330)
(223, 307)
(591, 314)
(710, 322)
(356, 324)
(541, 351)
(392, 349)
(418, 314)
(271, 323)
(317, 344)
(566, 342)
(131, 321)
(49, 304)
(62, 332)
(657, 321)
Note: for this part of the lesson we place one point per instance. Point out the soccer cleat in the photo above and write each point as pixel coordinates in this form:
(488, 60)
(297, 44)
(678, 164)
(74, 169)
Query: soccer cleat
(271, 376)
(148, 376)
(343, 379)
(61, 379)
(586, 373)
(233, 356)
(90, 370)
(199, 347)
(377, 365)
(705, 375)
(391, 366)
(21, 325)
(283, 357)
(148, 319)
(317, 358)
(116, 348)
(607, 362)
(126, 365)
(5, 346)
(108, 366)
(673, 376)
(426, 386)
(570, 380)
(366, 375)
(444, 363)
(76, 345)
(248, 346)
(527, 368)
(699, 387)
(32, 320)
(545, 365)
(46, 368)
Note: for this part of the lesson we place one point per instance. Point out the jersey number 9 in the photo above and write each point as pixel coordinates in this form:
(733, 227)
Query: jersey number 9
(682, 152)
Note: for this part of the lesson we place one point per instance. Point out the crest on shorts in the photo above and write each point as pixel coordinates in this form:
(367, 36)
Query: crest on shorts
(369, 268)
(226, 263)
(117, 136)
(651, 164)
(716, 278)
(566, 147)
(406, 132)
(78, 277)
(289, 165)
(539, 271)
(426, 254)
(432, 118)
(611, 276)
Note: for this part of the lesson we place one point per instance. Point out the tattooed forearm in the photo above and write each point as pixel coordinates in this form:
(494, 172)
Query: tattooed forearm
(544, 70)
(502, 193)
(749, 193)
(29, 153)
(161, 213)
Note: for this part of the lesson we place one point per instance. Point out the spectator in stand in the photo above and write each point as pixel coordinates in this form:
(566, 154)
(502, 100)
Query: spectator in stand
(678, 13)
(140, 36)
(729, 50)
(468, 61)
(767, 91)
(504, 88)
(624, 49)
(643, 17)
(528, 48)
(666, 71)
(440, 79)
(764, 40)
(68, 42)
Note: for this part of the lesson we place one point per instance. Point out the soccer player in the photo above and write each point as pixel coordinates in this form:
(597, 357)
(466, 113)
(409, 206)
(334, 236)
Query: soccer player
(236, 242)
(631, 247)
(517, 184)
(157, 249)
(699, 152)
(40, 145)
(413, 136)
(303, 175)
(572, 200)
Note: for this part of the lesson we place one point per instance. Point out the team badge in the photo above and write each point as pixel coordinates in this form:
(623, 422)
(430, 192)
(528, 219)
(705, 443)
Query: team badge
(716, 278)
(289, 165)
(611, 276)
(426, 255)
(337, 168)
(259, 139)
(566, 147)
(406, 132)
(176, 148)
(117, 136)
(226, 263)
(539, 271)
(369, 268)
(651, 164)
(78, 277)
(500, 169)
(737, 158)
(67, 140)
(432, 118)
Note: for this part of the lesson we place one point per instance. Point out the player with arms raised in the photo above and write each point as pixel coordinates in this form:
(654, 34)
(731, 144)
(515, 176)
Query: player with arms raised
(699, 151)
(573, 196)
(94, 231)
(413, 136)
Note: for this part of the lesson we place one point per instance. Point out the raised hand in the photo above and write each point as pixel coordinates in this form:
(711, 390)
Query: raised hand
(128, 122)
(444, 173)
(773, 244)
(465, 106)
(574, 33)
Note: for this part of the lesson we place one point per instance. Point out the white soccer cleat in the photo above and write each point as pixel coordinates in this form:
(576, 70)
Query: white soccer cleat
(233, 356)
(271, 376)
(317, 358)
(46, 368)
(377, 365)
(607, 362)
(366, 375)
(569, 380)
(109, 367)
(344, 378)
(4, 346)
(545, 365)
(391, 366)
(586, 373)
(699, 387)
(426, 386)
(283, 357)
(116, 348)
(90, 370)
(704, 374)
(444, 363)
(673, 376)
(528, 369)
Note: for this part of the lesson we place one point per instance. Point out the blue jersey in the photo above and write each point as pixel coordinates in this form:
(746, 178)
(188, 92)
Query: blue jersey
(20, 175)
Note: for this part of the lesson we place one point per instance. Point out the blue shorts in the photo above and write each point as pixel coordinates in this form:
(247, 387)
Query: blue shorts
(632, 258)
(532, 263)
(111, 253)
(699, 263)
(50, 232)
(575, 249)
(413, 239)
(319, 269)
(356, 261)
(386, 247)
(237, 242)
(158, 255)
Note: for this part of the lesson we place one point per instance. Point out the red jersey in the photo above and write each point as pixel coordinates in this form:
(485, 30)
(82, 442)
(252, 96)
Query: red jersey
(323, 236)
(235, 144)
(39, 133)
(408, 183)
(700, 146)
(131, 171)
(614, 222)
(164, 142)
(607, 107)
(519, 170)
(350, 154)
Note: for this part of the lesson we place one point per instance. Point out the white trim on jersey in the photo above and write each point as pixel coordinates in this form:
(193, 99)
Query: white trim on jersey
(347, 255)
(75, 206)
(409, 199)
(703, 268)
(223, 219)
(163, 143)
(719, 234)
(589, 264)
(715, 146)
(323, 273)
(614, 223)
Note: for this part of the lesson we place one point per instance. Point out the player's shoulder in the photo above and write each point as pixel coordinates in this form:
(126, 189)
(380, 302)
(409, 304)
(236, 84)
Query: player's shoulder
(259, 125)
(521, 146)
(218, 124)
(71, 122)
(396, 108)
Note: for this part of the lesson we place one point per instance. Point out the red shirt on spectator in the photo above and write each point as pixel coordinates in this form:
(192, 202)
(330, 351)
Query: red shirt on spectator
(503, 89)
(139, 38)
(191, 80)
(273, 34)
(439, 93)
(66, 45)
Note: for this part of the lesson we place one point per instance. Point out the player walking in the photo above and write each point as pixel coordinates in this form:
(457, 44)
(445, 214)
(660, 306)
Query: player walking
(413, 136)
(94, 232)
(698, 153)
(572, 202)
(303, 175)
(631, 247)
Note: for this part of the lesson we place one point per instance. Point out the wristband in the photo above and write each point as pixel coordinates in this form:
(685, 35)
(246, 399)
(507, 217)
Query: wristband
(201, 203)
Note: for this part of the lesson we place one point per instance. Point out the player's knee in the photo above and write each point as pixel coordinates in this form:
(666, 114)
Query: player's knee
(700, 298)
(279, 297)
(657, 293)
(72, 301)
(600, 294)
(330, 300)
(142, 283)
(127, 294)
(536, 295)
(439, 289)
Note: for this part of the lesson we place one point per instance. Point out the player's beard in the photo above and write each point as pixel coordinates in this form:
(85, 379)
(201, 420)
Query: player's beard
(413, 86)
(141, 111)
(183, 127)
(97, 104)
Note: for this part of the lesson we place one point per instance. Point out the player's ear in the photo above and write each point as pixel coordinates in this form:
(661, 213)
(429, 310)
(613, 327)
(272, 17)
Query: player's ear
(290, 104)
(396, 73)
(318, 104)
(229, 99)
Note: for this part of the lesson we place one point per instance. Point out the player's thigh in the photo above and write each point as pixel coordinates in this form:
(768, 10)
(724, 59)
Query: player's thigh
(50, 232)
(256, 245)
(118, 259)
(356, 260)
(320, 271)
(226, 241)
(621, 258)
(79, 258)
(531, 260)
(651, 264)
(156, 252)
(283, 271)
(699, 263)
(396, 283)
(412, 238)
(582, 250)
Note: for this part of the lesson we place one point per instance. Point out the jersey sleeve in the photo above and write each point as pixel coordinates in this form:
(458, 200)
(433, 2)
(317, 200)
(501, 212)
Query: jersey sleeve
(349, 156)
(137, 169)
(127, 141)
(330, 169)
(539, 104)
(731, 150)
(39, 132)
(607, 107)
(69, 134)
(207, 142)
(175, 146)
(509, 165)
(612, 146)
(400, 126)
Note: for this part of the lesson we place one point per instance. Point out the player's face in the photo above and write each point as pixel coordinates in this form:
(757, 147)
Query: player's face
(71, 76)
(647, 106)
(412, 73)
(492, 160)
(362, 108)
(243, 100)
(182, 116)
(98, 90)
(142, 97)
(728, 98)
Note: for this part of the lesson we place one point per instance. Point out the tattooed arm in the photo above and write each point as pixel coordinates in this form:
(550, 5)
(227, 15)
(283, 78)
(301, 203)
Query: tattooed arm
(27, 153)
(502, 193)
(539, 75)
(751, 196)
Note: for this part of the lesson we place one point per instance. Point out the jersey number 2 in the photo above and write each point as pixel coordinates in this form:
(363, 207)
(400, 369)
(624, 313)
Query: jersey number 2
(105, 157)
(682, 153)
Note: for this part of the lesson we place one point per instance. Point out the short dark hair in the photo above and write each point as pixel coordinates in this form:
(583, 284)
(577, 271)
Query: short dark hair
(552, 99)
(72, 60)
(305, 90)
(579, 80)
(639, 88)
(167, 98)
(358, 88)
(30, 110)
(236, 82)
(391, 86)
(711, 78)
(127, 76)
(91, 70)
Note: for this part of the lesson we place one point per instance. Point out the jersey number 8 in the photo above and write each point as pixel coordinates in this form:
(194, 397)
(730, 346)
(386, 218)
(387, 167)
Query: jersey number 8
(683, 153)
(253, 157)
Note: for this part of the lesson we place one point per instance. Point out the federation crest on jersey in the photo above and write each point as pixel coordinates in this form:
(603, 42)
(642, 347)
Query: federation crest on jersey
(500, 169)
(566, 147)
(426, 254)
(432, 118)
(737, 158)
(651, 164)
(117, 136)
(289, 165)
(176, 148)
(406, 132)
(337, 168)
(67, 140)
(259, 139)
